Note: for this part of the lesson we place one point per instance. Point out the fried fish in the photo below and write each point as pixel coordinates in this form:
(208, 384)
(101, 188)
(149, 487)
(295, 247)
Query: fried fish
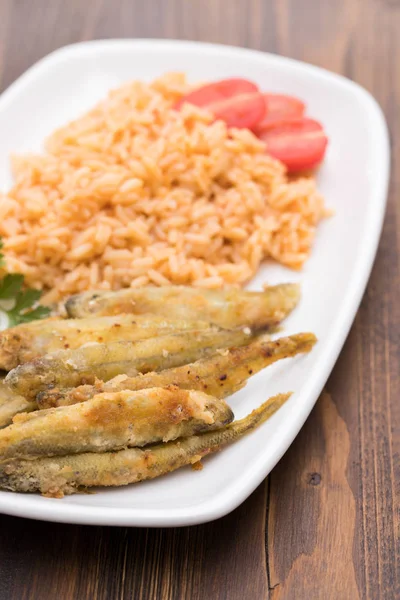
(219, 375)
(226, 308)
(69, 368)
(112, 421)
(28, 341)
(12, 404)
(56, 476)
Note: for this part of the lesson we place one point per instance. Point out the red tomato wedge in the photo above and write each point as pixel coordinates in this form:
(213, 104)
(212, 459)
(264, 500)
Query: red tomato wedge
(219, 90)
(279, 107)
(299, 143)
(245, 110)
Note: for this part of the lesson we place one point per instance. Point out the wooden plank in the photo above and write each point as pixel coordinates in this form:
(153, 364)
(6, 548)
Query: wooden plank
(224, 560)
(340, 538)
(311, 486)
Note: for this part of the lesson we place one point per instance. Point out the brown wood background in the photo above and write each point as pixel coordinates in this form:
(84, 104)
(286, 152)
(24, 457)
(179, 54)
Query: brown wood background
(325, 524)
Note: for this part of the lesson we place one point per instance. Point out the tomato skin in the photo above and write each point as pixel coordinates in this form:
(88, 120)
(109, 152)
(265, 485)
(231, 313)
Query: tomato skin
(218, 90)
(242, 111)
(277, 119)
(279, 107)
(299, 143)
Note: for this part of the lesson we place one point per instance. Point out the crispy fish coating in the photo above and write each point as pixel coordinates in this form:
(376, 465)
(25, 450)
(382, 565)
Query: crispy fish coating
(28, 341)
(12, 404)
(219, 375)
(68, 368)
(68, 474)
(113, 421)
(226, 308)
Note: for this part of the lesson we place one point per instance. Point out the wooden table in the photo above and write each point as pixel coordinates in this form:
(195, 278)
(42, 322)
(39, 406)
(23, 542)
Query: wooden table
(325, 524)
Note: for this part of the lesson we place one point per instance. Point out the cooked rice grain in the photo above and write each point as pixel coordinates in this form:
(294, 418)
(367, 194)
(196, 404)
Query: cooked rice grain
(134, 192)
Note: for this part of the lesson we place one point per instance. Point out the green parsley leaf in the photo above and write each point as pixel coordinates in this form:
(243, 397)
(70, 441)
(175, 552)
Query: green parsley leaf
(40, 312)
(23, 311)
(26, 299)
(10, 286)
(24, 307)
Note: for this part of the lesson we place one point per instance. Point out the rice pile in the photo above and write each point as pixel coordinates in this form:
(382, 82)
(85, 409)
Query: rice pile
(135, 193)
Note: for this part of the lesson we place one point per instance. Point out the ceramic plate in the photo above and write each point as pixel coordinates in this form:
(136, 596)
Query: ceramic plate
(353, 179)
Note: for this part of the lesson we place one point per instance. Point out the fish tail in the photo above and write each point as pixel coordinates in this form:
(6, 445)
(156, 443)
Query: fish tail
(303, 342)
(259, 415)
(215, 440)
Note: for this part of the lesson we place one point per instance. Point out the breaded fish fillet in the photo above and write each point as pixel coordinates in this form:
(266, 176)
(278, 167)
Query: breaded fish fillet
(219, 375)
(113, 421)
(70, 368)
(68, 474)
(226, 308)
(11, 404)
(28, 341)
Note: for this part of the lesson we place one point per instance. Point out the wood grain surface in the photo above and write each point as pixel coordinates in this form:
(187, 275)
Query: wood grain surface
(326, 522)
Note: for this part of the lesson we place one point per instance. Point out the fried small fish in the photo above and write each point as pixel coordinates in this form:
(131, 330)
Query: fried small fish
(58, 476)
(219, 375)
(69, 368)
(28, 341)
(226, 308)
(12, 404)
(112, 421)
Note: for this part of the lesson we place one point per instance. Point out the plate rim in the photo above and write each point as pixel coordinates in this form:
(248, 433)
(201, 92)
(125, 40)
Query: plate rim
(53, 510)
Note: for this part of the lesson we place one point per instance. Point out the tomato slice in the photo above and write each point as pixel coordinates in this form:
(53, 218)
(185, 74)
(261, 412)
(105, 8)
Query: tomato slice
(241, 111)
(219, 90)
(279, 107)
(299, 143)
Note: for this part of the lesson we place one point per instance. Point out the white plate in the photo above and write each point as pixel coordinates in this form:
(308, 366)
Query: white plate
(354, 181)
